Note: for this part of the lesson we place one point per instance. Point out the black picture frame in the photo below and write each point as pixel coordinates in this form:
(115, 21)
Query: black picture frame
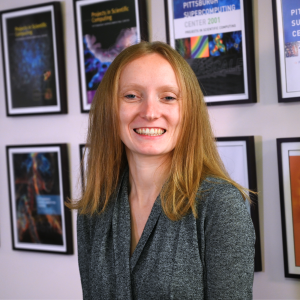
(97, 46)
(238, 156)
(288, 153)
(217, 42)
(33, 60)
(38, 177)
(287, 51)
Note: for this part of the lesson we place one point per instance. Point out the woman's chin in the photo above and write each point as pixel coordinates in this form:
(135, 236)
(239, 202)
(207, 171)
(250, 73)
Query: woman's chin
(149, 152)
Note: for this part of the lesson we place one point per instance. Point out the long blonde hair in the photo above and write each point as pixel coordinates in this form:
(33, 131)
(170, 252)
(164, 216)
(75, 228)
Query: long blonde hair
(194, 158)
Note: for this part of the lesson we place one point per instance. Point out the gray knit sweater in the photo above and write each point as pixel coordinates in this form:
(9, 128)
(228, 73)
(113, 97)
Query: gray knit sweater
(211, 257)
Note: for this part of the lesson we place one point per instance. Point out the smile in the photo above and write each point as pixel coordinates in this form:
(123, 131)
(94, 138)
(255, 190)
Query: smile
(150, 131)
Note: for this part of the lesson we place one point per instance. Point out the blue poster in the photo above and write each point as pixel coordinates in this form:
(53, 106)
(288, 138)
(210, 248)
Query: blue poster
(291, 20)
(38, 201)
(31, 60)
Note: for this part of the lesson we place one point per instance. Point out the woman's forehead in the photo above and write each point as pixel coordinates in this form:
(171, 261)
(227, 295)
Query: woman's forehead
(150, 66)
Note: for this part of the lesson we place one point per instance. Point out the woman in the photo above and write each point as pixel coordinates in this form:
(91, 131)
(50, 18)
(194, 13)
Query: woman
(160, 218)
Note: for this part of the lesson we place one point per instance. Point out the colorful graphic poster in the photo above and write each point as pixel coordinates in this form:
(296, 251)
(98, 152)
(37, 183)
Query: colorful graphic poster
(291, 31)
(37, 198)
(37, 193)
(210, 35)
(30, 61)
(294, 163)
(105, 28)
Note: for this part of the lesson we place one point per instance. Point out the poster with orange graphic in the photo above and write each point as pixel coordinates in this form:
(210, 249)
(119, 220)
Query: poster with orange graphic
(295, 192)
(288, 150)
(39, 186)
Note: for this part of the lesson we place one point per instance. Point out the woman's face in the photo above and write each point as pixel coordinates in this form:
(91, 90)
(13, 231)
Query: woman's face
(149, 99)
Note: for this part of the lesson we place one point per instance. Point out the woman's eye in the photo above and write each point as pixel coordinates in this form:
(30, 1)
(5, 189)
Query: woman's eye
(130, 96)
(169, 98)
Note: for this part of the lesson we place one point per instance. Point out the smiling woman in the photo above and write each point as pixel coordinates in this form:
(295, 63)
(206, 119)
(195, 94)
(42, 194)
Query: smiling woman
(149, 107)
(160, 218)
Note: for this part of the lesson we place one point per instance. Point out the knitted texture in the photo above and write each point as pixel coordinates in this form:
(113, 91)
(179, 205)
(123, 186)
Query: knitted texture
(211, 257)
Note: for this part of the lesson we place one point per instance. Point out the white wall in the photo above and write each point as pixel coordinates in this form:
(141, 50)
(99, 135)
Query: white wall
(25, 275)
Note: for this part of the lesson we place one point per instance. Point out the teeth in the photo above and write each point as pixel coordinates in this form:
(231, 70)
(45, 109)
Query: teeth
(150, 132)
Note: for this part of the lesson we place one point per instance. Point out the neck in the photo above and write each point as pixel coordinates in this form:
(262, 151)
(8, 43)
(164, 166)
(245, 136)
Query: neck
(147, 174)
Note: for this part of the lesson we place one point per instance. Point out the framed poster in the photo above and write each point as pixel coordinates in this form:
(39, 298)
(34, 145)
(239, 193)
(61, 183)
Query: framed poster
(33, 60)
(39, 185)
(103, 29)
(288, 151)
(238, 156)
(216, 39)
(287, 48)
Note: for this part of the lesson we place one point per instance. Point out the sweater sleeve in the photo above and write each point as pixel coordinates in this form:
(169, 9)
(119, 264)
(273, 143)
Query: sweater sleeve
(229, 245)
(84, 252)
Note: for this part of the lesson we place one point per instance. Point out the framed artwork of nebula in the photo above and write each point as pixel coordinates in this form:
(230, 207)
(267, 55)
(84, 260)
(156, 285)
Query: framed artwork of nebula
(33, 60)
(39, 185)
(238, 156)
(103, 29)
(288, 151)
(286, 19)
(216, 39)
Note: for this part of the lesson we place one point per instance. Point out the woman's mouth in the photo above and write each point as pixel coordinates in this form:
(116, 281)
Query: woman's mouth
(150, 131)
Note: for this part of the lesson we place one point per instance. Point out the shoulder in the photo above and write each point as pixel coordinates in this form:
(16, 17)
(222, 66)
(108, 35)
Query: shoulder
(216, 185)
(220, 202)
(215, 192)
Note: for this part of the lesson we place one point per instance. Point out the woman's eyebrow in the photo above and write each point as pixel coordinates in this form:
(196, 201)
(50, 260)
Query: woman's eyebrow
(165, 88)
(130, 86)
(169, 88)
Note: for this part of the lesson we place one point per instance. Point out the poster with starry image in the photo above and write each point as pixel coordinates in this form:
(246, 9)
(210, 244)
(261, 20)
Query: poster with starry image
(33, 60)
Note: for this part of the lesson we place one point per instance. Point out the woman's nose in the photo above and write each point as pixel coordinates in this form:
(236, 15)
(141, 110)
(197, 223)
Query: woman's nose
(150, 108)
